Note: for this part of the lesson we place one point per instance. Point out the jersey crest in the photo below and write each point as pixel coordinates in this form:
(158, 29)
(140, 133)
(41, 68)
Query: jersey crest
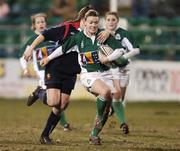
(118, 36)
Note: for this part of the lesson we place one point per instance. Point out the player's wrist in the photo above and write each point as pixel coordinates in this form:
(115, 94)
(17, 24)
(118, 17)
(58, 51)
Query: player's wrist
(49, 58)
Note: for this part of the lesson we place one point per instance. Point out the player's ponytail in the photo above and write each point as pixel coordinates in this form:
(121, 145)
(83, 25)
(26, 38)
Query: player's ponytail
(83, 11)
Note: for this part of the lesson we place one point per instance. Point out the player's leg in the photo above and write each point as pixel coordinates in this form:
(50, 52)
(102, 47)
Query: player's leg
(116, 93)
(53, 97)
(91, 81)
(39, 92)
(33, 97)
(99, 87)
(119, 108)
(123, 90)
(65, 96)
(63, 122)
(124, 81)
(67, 85)
(115, 74)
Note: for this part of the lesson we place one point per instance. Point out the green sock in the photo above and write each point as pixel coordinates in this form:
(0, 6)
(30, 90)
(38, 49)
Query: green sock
(124, 103)
(95, 132)
(101, 104)
(62, 119)
(106, 113)
(119, 110)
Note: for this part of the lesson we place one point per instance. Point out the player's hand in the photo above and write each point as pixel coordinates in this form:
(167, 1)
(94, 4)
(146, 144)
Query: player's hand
(28, 53)
(44, 62)
(26, 72)
(103, 59)
(103, 36)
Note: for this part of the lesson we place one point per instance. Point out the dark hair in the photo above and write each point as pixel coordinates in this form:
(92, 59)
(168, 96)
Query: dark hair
(91, 13)
(83, 11)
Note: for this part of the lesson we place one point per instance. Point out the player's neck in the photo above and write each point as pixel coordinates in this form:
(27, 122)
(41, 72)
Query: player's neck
(88, 34)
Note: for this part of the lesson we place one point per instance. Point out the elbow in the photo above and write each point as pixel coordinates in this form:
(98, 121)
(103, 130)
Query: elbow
(137, 51)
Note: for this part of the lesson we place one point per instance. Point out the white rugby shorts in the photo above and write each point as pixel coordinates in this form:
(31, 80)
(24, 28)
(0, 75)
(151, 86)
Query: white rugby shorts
(122, 74)
(87, 79)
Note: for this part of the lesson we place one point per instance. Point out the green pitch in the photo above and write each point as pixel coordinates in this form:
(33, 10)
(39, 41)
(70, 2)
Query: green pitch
(153, 127)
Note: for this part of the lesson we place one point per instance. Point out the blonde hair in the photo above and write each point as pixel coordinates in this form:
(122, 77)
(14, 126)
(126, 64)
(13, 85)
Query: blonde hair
(33, 19)
(112, 13)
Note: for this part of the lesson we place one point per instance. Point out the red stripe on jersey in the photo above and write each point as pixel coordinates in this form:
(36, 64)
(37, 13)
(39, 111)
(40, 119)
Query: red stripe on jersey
(67, 24)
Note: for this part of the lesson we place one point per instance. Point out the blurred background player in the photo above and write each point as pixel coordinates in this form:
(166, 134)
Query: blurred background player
(127, 41)
(121, 74)
(38, 26)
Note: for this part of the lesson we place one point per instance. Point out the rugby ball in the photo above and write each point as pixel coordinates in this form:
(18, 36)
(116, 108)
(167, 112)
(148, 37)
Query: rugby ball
(105, 49)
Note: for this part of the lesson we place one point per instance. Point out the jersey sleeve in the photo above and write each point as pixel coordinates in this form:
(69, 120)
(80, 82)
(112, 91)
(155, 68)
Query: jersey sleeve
(71, 42)
(113, 43)
(28, 42)
(131, 39)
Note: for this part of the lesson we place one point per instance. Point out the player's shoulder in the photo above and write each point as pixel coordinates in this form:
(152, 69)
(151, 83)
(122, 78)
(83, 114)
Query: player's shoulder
(79, 35)
(119, 30)
(31, 38)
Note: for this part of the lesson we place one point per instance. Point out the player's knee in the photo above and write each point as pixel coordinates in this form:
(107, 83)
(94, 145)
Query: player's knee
(106, 93)
(117, 95)
(64, 105)
(56, 110)
(53, 102)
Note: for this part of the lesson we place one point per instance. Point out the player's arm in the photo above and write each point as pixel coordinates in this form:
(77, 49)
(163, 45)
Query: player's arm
(68, 46)
(24, 66)
(29, 50)
(132, 51)
(35, 65)
(113, 56)
(103, 36)
(118, 51)
(23, 62)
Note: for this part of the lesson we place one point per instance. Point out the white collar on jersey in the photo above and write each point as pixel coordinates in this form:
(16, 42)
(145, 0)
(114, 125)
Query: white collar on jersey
(93, 37)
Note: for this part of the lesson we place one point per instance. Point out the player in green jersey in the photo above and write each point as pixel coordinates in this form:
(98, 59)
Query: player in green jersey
(95, 76)
(121, 74)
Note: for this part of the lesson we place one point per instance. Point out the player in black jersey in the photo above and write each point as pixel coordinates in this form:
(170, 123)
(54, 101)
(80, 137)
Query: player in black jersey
(60, 73)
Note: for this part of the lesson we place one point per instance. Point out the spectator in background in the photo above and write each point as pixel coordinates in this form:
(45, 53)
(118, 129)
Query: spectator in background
(4, 9)
(62, 8)
(102, 6)
(16, 8)
(140, 8)
(81, 3)
(165, 9)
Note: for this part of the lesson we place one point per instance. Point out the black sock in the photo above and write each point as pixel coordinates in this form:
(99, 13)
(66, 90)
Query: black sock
(44, 98)
(42, 95)
(51, 124)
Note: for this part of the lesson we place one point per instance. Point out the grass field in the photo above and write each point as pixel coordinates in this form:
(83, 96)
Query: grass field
(153, 127)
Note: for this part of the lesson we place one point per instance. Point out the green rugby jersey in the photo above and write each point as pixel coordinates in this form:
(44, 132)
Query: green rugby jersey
(121, 33)
(41, 51)
(88, 50)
